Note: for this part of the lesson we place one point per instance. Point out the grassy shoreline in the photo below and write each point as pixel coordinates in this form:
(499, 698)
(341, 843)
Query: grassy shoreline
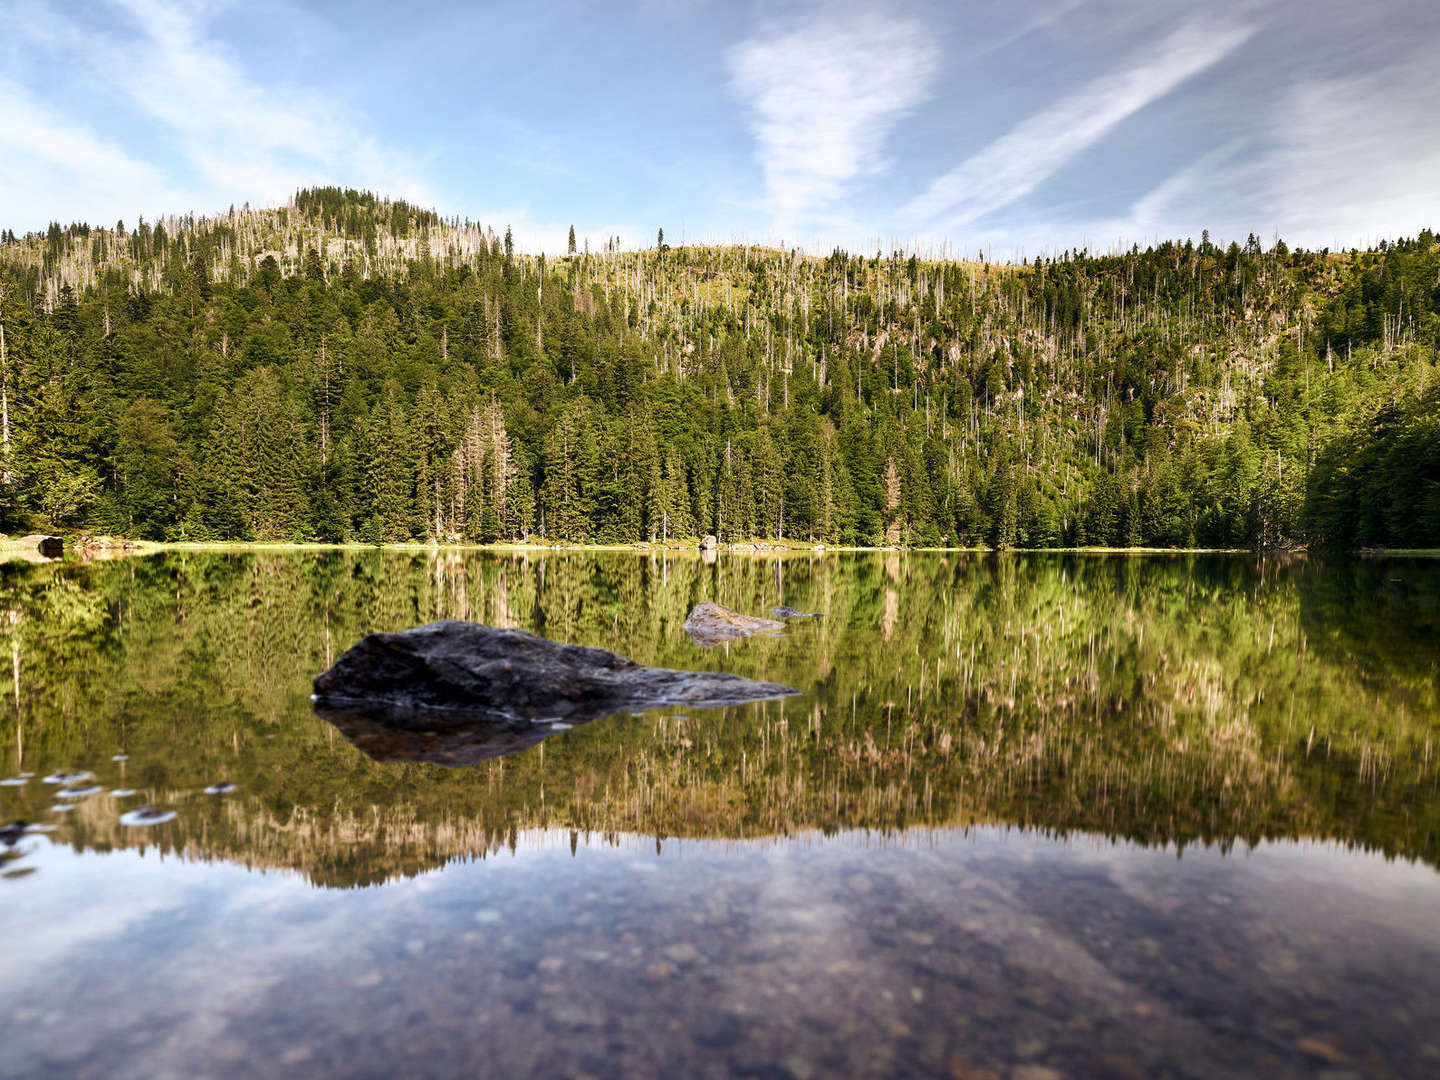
(113, 547)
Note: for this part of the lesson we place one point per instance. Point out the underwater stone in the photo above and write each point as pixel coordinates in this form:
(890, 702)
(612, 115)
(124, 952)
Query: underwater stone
(709, 624)
(146, 815)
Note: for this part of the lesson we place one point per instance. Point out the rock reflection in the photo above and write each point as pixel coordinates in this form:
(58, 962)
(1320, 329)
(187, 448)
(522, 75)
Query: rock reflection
(439, 737)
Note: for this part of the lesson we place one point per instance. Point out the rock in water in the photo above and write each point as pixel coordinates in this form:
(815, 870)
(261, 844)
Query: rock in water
(709, 543)
(457, 692)
(791, 613)
(709, 624)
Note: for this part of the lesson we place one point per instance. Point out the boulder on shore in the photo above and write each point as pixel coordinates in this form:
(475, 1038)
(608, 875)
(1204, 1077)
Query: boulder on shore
(46, 547)
(709, 624)
(496, 691)
(709, 543)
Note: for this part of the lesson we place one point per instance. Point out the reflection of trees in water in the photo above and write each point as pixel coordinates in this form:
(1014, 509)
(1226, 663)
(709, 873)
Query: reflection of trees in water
(1161, 698)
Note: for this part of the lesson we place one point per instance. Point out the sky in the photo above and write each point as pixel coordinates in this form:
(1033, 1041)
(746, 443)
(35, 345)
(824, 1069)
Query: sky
(1016, 127)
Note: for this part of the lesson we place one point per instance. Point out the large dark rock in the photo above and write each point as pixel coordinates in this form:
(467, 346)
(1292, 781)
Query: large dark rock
(456, 692)
(710, 624)
(38, 544)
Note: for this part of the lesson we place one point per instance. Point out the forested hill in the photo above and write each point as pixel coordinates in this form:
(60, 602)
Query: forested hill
(353, 368)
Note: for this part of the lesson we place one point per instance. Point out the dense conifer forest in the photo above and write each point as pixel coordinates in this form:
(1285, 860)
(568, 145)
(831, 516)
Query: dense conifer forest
(351, 368)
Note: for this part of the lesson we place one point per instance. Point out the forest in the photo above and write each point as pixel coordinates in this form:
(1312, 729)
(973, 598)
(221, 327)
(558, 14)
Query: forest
(351, 368)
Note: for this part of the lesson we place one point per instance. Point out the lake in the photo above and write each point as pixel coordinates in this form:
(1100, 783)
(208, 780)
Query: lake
(1031, 816)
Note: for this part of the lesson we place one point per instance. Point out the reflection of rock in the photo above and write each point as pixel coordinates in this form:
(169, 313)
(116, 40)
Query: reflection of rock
(505, 678)
(435, 736)
(790, 613)
(709, 624)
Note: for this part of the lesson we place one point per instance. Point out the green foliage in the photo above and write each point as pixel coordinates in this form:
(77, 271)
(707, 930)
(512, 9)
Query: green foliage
(352, 367)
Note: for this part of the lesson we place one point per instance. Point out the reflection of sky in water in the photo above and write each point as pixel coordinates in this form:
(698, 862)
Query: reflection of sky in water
(850, 954)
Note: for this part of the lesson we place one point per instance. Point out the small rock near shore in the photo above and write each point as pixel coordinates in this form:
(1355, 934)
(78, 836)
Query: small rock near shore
(709, 624)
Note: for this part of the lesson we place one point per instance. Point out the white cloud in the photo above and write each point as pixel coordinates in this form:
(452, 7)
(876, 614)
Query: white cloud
(242, 136)
(1331, 162)
(53, 169)
(1356, 158)
(825, 94)
(235, 138)
(1018, 162)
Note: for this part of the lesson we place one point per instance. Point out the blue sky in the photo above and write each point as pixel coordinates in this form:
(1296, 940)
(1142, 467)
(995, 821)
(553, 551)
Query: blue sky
(1020, 127)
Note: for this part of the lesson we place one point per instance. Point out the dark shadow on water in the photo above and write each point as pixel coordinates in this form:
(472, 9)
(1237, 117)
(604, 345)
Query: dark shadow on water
(440, 736)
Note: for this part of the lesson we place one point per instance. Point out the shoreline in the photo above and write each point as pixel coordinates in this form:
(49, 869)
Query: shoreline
(117, 547)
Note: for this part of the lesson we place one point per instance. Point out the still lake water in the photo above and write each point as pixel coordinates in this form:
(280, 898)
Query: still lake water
(1030, 817)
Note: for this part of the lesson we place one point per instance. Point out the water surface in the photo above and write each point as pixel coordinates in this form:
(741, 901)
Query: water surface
(1030, 816)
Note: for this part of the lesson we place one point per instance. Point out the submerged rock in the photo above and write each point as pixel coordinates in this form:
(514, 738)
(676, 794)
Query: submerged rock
(783, 612)
(455, 692)
(68, 777)
(709, 624)
(80, 792)
(146, 815)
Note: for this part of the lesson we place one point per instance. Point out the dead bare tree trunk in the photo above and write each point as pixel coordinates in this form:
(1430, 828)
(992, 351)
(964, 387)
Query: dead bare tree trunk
(6, 474)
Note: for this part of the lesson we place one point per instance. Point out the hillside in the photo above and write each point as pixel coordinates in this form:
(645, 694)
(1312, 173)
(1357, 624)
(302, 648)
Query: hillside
(348, 367)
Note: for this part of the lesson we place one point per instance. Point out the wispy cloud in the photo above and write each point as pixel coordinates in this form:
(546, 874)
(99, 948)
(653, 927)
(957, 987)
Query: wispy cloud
(1018, 162)
(239, 134)
(1356, 157)
(1333, 162)
(825, 93)
(229, 137)
(1041, 19)
(51, 167)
